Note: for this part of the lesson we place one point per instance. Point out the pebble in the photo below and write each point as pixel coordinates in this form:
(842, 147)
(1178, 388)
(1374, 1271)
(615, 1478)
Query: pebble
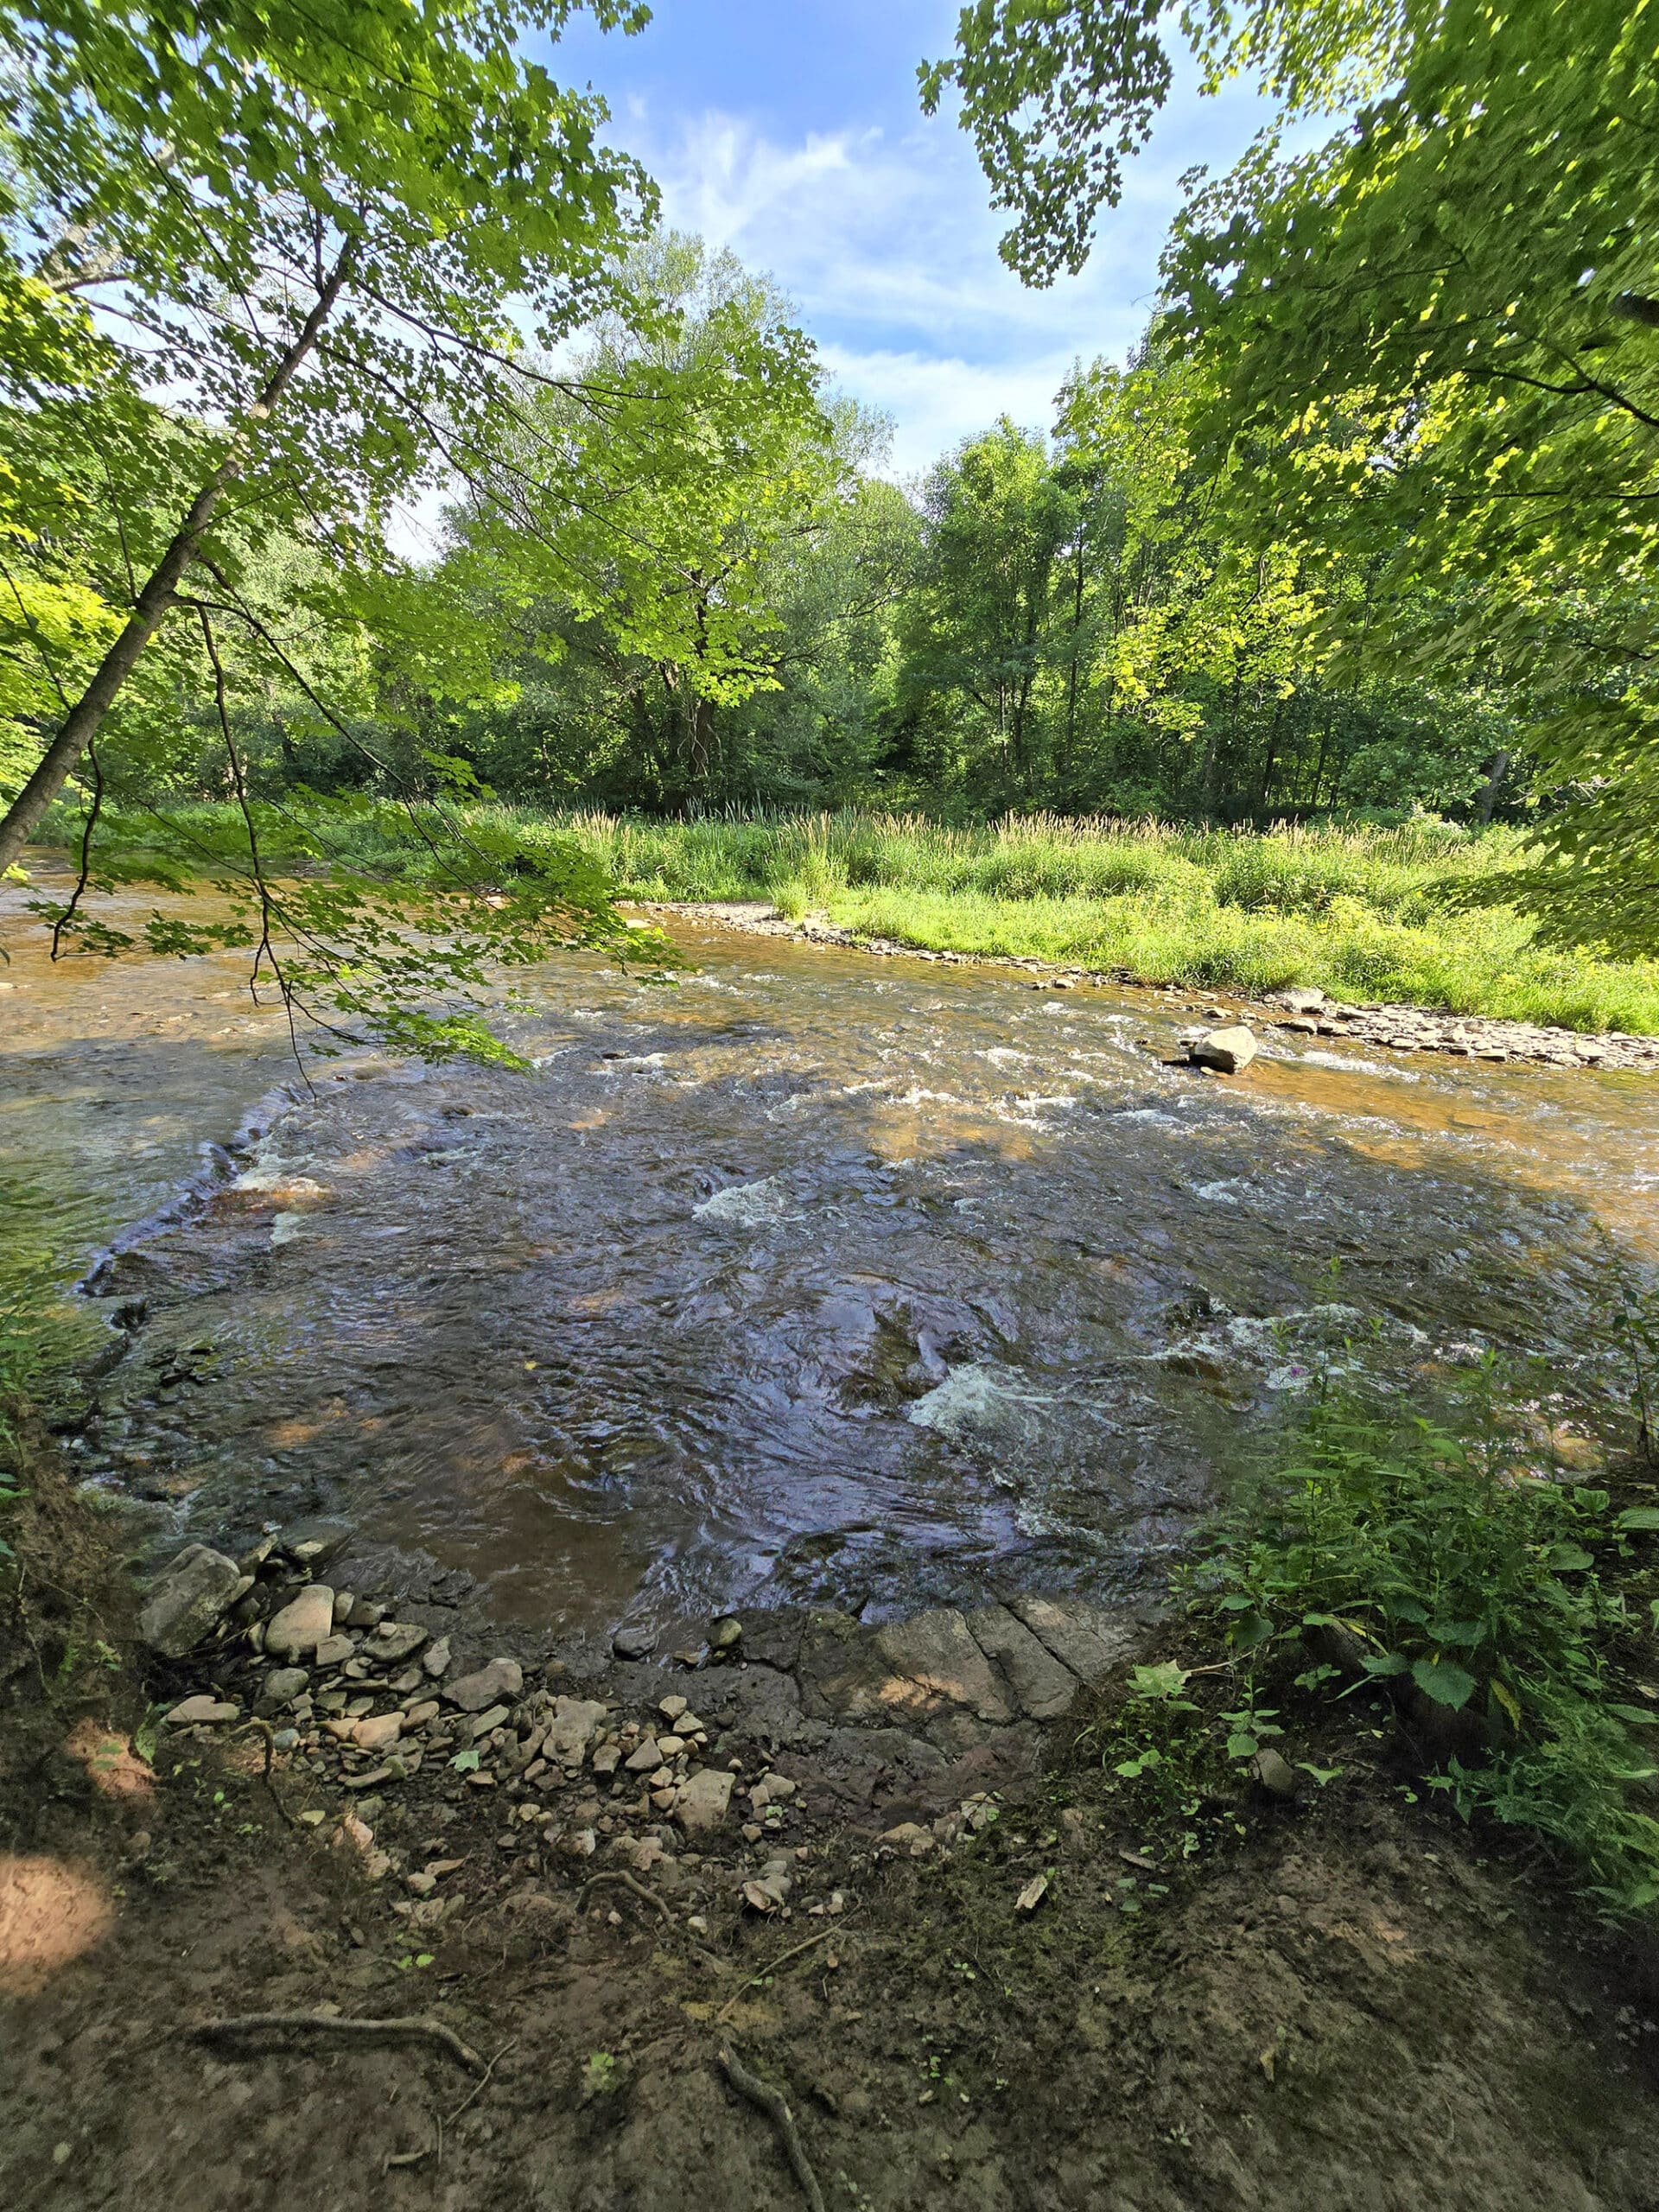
(202, 1712)
(726, 1633)
(303, 1625)
(394, 1642)
(472, 1693)
(435, 1659)
(379, 1733)
(334, 1650)
(646, 1759)
(634, 1643)
(702, 1802)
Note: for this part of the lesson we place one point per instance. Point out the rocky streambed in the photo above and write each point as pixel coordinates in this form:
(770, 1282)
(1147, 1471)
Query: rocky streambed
(452, 1760)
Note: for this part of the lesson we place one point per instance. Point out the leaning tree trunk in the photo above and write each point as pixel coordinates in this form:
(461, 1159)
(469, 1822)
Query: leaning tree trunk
(155, 602)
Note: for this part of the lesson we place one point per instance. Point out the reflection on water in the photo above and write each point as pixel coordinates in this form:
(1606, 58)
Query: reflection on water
(817, 1276)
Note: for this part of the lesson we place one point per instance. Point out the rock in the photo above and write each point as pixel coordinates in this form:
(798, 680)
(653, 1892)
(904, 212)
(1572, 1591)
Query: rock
(418, 1715)
(303, 1623)
(1086, 1638)
(646, 1758)
(313, 1543)
(379, 1733)
(1228, 1051)
(343, 1603)
(492, 1717)
(780, 1788)
(703, 1803)
(1032, 1895)
(189, 1598)
(366, 1613)
(607, 1758)
(202, 1712)
(935, 1651)
(575, 1720)
(1044, 1685)
(672, 1707)
(282, 1684)
(1276, 1776)
(1304, 999)
(435, 1659)
(671, 1747)
(726, 1633)
(633, 1643)
(910, 1837)
(393, 1642)
(472, 1693)
(334, 1650)
(767, 1897)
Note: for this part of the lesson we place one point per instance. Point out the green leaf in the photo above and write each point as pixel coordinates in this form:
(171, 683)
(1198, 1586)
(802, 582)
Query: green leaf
(1164, 1681)
(1385, 1662)
(466, 1762)
(1446, 1683)
(1569, 1558)
(1639, 1517)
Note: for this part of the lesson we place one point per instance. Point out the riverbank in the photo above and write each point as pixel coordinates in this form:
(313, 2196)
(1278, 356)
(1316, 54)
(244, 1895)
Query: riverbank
(975, 1965)
(1298, 1012)
(1380, 916)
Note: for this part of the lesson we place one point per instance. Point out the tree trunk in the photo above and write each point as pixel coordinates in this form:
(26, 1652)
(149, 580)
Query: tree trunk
(1489, 794)
(155, 602)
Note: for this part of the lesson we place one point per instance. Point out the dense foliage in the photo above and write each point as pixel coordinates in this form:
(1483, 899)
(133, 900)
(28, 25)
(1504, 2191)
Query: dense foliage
(1427, 351)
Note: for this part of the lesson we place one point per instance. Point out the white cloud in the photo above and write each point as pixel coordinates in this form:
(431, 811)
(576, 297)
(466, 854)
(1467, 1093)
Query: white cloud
(888, 248)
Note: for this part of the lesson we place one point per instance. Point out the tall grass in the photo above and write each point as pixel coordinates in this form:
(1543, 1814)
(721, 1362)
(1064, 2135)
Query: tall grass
(1366, 913)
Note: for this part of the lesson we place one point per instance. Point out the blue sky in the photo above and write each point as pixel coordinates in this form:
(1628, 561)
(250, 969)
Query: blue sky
(789, 131)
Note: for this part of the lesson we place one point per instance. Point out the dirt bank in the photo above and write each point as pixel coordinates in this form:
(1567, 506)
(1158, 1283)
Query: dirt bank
(1331, 1999)
(1396, 1028)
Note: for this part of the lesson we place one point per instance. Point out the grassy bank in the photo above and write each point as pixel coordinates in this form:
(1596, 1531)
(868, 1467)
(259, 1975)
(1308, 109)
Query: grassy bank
(1366, 913)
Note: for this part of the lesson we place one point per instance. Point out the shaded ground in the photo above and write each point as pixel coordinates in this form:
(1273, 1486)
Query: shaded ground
(1343, 2005)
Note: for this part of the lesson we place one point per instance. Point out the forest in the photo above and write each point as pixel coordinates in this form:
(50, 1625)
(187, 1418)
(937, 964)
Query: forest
(1362, 530)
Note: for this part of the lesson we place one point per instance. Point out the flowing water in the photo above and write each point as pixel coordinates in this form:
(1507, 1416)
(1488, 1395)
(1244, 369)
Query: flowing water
(814, 1276)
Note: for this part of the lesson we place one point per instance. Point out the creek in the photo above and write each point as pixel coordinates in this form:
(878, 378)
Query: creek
(813, 1276)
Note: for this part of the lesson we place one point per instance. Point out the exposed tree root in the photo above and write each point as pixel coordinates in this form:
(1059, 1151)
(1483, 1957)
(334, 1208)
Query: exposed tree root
(412, 2029)
(775, 2106)
(626, 1882)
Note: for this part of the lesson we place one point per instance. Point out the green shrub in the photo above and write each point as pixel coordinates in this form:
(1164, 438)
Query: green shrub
(1441, 1567)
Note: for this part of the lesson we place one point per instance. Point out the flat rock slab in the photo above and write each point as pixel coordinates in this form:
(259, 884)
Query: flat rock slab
(1043, 1684)
(1086, 1638)
(907, 1671)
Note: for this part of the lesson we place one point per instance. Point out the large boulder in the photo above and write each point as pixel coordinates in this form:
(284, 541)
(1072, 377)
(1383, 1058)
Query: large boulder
(189, 1599)
(1228, 1051)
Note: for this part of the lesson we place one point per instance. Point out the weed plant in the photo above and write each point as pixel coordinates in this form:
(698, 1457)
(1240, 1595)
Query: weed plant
(1443, 1568)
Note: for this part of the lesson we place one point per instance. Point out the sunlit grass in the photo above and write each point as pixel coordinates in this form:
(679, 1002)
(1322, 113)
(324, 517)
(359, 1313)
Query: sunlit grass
(1366, 913)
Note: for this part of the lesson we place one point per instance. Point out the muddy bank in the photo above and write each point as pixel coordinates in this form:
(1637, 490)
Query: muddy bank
(1333, 1998)
(1298, 1013)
